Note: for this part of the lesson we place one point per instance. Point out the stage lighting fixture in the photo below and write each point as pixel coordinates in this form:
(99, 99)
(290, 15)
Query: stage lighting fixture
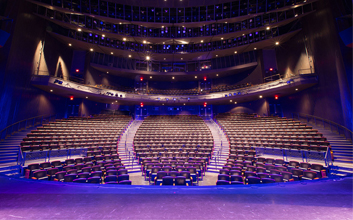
(147, 58)
(271, 69)
(276, 96)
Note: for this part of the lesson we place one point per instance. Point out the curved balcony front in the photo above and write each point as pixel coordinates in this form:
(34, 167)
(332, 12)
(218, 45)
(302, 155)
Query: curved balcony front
(283, 87)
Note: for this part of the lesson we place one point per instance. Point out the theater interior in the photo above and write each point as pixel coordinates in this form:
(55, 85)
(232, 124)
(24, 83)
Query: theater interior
(176, 109)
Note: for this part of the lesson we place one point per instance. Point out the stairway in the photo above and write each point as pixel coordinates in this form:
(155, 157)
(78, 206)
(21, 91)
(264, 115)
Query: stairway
(221, 147)
(9, 149)
(342, 151)
(125, 149)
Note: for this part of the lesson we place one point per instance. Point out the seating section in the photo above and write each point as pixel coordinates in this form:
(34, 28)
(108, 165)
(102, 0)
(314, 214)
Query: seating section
(268, 170)
(176, 145)
(246, 132)
(109, 170)
(99, 133)
(194, 91)
(118, 88)
(222, 88)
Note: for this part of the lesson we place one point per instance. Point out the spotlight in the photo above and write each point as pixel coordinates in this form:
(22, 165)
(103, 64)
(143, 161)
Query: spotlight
(71, 98)
(91, 49)
(230, 100)
(111, 53)
(268, 28)
(255, 48)
(51, 90)
(124, 39)
(184, 103)
(296, 89)
(260, 96)
(103, 35)
(150, 77)
(277, 43)
(86, 97)
(107, 72)
(79, 29)
(129, 56)
(201, 41)
(217, 75)
(221, 38)
(173, 77)
(235, 102)
(147, 58)
(70, 45)
(271, 69)
(195, 77)
(235, 52)
(144, 42)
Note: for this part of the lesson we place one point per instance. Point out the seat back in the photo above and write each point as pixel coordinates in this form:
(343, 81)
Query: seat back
(309, 174)
(180, 181)
(167, 180)
(254, 180)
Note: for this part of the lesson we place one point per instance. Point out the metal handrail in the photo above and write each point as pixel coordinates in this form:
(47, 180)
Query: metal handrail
(308, 69)
(11, 129)
(330, 123)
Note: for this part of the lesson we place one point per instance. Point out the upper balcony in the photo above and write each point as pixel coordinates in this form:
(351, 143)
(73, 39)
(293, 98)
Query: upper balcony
(176, 52)
(173, 34)
(231, 12)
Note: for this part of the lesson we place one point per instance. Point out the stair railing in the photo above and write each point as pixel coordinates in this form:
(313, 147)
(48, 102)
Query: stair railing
(334, 127)
(25, 124)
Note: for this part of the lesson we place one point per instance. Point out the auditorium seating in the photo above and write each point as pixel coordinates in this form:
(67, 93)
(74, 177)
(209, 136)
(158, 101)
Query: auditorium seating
(194, 91)
(222, 88)
(99, 135)
(173, 143)
(246, 132)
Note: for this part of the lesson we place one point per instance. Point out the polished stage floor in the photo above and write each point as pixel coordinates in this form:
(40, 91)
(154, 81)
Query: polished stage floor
(26, 199)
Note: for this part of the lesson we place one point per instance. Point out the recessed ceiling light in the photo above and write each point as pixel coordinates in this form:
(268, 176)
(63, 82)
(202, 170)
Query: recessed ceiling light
(150, 77)
(51, 90)
(235, 52)
(268, 28)
(235, 102)
(230, 100)
(86, 97)
(163, 42)
(129, 55)
(162, 26)
(91, 49)
(217, 75)
(107, 72)
(111, 53)
(216, 55)
(296, 89)
(221, 38)
(201, 41)
(277, 43)
(70, 45)
(144, 41)
(181, 58)
(260, 96)
(255, 48)
(103, 35)
(79, 29)
(124, 39)
(164, 58)
(173, 77)
(147, 58)
(184, 103)
(195, 77)
(116, 100)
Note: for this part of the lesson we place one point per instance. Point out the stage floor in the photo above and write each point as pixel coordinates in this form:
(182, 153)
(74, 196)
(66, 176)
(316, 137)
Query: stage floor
(27, 199)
